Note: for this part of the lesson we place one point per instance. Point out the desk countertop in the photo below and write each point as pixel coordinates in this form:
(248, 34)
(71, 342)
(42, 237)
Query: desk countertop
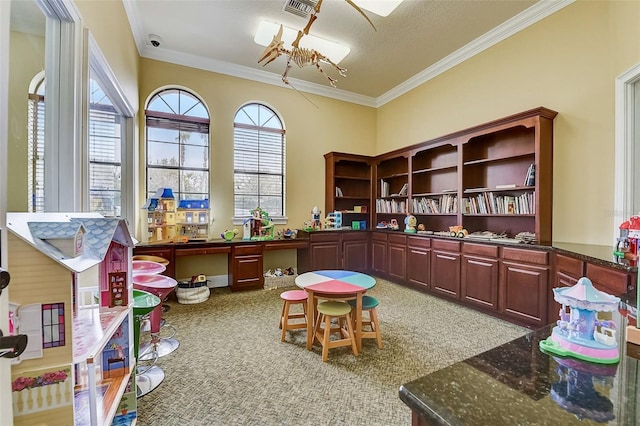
(516, 383)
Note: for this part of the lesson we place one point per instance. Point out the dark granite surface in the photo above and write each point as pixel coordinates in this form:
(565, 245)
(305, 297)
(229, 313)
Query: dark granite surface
(517, 384)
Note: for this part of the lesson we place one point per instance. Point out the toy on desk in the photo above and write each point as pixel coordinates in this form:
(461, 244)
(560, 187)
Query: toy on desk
(229, 234)
(259, 227)
(333, 220)
(393, 225)
(316, 218)
(627, 242)
(382, 225)
(410, 223)
(582, 333)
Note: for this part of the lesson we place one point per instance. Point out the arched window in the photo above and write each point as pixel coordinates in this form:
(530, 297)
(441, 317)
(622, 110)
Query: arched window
(35, 147)
(258, 161)
(178, 145)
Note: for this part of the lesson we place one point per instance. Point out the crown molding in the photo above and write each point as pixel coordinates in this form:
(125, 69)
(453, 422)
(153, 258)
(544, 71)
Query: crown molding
(526, 18)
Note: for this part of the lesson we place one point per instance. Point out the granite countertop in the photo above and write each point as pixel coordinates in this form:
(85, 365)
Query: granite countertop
(518, 384)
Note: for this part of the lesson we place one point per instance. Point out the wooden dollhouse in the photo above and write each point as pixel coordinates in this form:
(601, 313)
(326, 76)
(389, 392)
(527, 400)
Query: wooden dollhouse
(77, 368)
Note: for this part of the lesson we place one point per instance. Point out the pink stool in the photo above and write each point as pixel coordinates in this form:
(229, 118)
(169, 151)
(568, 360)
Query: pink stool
(161, 286)
(293, 297)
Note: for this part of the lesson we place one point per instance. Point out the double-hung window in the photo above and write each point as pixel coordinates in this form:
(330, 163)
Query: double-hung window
(105, 156)
(177, 125)
(259, 162)
(35, 141)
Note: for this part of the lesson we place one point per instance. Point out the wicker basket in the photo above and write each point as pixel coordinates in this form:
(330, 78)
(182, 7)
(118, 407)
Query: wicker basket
(191, 293)
(279, 282)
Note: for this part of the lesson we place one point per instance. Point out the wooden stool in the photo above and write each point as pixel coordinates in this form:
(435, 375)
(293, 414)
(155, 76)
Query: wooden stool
(369, 304)
(327, 311)
(293, 297)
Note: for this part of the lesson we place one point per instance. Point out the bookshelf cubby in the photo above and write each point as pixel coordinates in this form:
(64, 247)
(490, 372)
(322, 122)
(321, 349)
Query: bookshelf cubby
(488, 161)
(348, 187)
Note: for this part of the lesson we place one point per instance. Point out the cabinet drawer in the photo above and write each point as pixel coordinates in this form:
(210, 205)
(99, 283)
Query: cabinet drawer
(528, 256)
(446, 245)
(607, 279)
(202, 251)
(397, 239)
(379, 236)
(569, 265)
(480, 249)
(247, 249)
(355, 236)
(419, 242)
(315, 238)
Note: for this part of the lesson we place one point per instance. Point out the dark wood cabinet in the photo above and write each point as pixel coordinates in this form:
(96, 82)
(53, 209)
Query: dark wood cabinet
(418, 260)
(165, 253)
(355, 251)
(524, 283)
(480, 273)
(445, 268)
(347, 186)
(396, 256)
(568, 270)
(379, 253)
(325, 251)
(245, 267)
(608, 280)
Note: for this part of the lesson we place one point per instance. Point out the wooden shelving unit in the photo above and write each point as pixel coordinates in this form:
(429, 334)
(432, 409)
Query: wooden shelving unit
(348, 188)
(447, 172)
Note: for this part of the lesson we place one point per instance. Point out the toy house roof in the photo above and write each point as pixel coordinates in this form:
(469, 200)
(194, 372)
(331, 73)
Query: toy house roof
(37, 228)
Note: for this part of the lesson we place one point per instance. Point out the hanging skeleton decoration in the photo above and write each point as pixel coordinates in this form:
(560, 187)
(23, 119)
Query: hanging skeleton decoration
(303, 57)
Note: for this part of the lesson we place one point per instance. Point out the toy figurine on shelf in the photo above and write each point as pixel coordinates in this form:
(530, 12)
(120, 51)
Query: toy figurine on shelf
(393, 225)
(583, 332)
(410, 223)
(316, 219)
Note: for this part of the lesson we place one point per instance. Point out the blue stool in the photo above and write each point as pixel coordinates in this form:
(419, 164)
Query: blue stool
(369, 304)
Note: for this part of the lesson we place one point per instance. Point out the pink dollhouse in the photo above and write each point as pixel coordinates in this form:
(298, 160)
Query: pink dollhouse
(70, 294)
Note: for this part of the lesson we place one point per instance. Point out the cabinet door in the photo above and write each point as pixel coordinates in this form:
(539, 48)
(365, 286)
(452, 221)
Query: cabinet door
(523, 293)
(355, 255)
(418, 265)
(445, 273)
(480, 281)
(397, 260)
(379, 256)
(325, 255)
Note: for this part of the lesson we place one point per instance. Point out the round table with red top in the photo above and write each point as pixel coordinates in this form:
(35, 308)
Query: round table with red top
(334, 285)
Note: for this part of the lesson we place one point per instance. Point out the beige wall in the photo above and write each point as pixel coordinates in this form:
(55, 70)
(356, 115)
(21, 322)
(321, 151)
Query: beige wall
(311, 132)
(108, 23)
(568, 62)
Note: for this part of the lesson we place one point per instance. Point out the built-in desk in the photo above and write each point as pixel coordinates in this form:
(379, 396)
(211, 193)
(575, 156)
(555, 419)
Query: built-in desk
(245, 258)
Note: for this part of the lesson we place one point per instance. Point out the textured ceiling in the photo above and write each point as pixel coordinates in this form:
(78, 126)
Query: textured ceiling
(218, 35)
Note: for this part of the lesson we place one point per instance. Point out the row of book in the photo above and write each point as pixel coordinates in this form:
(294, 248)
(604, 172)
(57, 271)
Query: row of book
(390, 206)
(489, 203)
(384, 189)
(443, 205)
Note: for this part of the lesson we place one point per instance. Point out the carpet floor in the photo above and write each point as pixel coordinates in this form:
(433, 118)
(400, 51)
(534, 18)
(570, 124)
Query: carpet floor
(232, 369)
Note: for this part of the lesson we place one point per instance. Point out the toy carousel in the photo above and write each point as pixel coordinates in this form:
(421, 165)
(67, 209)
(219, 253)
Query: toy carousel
(582, 332)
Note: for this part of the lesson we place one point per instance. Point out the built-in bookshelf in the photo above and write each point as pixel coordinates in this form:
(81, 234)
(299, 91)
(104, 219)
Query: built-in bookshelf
(348, 187)
(497, 176)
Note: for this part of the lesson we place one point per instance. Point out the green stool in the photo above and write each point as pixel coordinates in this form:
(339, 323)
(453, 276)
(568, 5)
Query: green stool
(342, 312)
(369, 304)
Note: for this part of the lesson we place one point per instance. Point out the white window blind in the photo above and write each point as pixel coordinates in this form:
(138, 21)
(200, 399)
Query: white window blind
(259, 161)
(35, 148)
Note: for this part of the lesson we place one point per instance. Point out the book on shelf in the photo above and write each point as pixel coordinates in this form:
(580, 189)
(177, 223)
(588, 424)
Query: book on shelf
(506, 186)
(530, 178)
(384, 188)
(404, 189)
(338, 192)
